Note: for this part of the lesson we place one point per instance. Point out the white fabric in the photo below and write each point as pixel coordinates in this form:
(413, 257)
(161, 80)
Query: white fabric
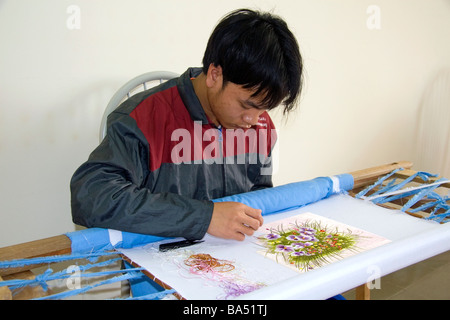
(412, 240)
(115, 236)
(336, 187)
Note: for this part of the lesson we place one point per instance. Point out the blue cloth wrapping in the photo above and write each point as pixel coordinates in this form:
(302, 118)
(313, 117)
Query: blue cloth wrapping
(293, 195)
(97, 239)
(89, 240)
(270, 201)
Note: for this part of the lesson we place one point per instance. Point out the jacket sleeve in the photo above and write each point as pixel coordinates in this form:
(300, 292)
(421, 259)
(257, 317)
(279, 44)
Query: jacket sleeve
(107, 191)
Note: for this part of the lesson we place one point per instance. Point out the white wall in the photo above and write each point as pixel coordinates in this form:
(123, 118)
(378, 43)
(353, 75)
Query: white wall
(359, 107)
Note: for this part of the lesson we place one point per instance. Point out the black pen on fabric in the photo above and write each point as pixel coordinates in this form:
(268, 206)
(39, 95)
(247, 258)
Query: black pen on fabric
(178, 244)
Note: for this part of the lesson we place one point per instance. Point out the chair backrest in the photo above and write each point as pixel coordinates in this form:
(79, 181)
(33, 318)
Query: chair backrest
(135, 85)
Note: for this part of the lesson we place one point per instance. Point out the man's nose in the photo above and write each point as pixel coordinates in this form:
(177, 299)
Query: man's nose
(252, 118)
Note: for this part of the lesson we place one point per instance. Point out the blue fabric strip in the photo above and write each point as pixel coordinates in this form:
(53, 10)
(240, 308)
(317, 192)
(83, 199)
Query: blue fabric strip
(48, 275)
(97, 239)
(51, 259)
(417, 195)
(439, 217)
(153, 296)
(423, 175)
(130, 240)
(378, 182)
(291, 196)
(90, 240)
(74, 292)
(423, 193)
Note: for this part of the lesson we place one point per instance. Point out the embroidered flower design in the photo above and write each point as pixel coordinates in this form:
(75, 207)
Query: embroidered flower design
(293, 238)
(297, 254)
(283, 248)
(272, 236)
(307, 245)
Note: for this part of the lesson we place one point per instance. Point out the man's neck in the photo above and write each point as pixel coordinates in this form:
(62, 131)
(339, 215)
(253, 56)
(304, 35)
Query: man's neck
(200, 89)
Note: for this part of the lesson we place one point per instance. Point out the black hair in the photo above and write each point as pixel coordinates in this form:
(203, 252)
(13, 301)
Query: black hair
(258, 51)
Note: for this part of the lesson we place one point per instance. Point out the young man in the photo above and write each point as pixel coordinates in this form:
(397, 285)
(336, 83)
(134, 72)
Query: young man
(172, 149)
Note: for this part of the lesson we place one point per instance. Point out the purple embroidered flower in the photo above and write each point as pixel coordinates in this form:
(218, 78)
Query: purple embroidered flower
(298, 245)
(297, 254)
(308, 230)
(272, 236)
(304, 237)
(307, 244)
(283, 248)
(293, 238)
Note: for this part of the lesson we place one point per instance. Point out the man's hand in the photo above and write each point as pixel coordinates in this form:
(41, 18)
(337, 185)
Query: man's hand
(234, 220)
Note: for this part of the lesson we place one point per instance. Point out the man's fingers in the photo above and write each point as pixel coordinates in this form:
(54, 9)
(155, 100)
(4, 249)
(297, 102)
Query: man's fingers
(250, 222)
(233, 220)
(239, 236)
(256, 214)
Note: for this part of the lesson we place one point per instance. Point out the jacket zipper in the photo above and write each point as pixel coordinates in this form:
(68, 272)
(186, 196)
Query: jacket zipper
(219, 128)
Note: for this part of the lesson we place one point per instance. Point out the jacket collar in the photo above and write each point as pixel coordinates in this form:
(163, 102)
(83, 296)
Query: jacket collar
(187, 94)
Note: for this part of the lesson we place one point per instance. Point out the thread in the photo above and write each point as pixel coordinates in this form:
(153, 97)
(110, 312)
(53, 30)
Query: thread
(204, 263)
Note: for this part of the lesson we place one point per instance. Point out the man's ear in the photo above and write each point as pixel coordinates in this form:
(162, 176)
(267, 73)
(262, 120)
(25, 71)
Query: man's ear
(214, 76)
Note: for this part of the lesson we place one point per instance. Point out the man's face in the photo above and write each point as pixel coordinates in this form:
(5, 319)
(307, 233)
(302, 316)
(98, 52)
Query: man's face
(232, 105)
